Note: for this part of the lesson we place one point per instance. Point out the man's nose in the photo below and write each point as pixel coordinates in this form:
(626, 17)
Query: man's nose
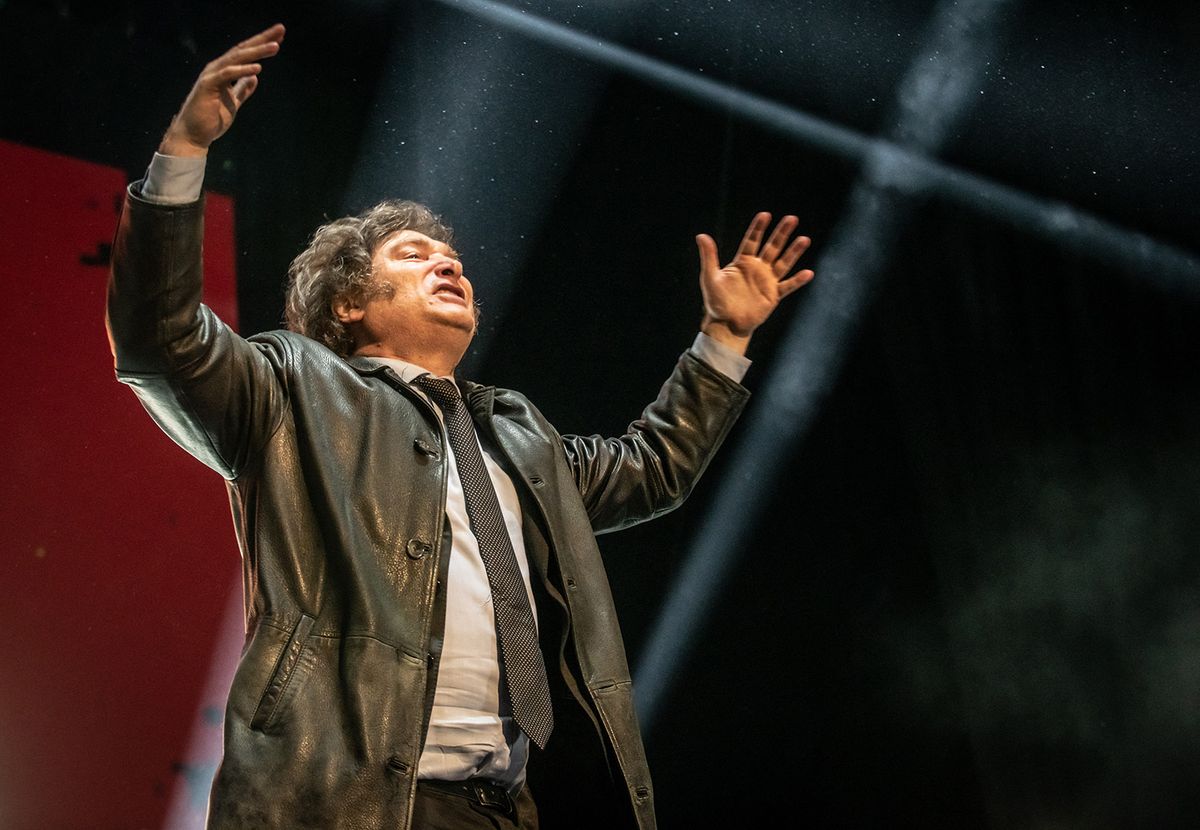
(449, 268)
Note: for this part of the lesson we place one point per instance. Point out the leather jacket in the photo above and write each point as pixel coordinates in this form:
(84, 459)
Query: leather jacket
(336, 473)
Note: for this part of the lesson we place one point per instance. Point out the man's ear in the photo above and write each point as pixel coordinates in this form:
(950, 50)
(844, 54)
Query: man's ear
(347, 310)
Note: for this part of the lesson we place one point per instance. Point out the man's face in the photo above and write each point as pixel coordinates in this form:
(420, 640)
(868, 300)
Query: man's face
(429, 296)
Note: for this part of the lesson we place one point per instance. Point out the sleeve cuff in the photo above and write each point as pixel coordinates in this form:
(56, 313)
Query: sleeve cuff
(720, 357)
(173, 180)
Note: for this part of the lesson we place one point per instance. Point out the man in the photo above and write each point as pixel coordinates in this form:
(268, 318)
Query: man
(431, 638)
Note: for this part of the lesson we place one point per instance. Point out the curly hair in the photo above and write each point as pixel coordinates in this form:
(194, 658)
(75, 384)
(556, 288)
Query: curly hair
(336, 265)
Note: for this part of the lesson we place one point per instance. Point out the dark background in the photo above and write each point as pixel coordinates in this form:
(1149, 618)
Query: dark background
(972, 596)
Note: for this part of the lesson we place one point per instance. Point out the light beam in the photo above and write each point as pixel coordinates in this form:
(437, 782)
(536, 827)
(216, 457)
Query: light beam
(932, 98)
(1169, 266)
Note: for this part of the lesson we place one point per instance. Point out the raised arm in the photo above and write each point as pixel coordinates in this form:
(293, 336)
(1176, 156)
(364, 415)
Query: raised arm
(654, 465)
(217, 395)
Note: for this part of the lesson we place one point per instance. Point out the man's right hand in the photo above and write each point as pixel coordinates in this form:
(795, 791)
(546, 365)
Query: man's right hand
(218, 94)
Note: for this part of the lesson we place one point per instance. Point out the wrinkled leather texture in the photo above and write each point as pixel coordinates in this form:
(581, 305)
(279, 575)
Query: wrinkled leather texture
(337, 476)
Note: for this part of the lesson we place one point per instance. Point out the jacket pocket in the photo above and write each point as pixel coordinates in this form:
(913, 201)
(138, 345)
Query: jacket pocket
(271, 705)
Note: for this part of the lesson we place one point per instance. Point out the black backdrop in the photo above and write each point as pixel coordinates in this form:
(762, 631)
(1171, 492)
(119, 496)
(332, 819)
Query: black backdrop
(973, 598)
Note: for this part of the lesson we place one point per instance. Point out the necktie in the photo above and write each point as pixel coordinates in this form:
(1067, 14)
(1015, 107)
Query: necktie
(521, 658)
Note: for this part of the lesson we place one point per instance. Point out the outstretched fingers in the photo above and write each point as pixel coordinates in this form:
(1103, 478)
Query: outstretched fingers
(799, 279)
(754, 234)
(271, 33)
(776, 253)
(223, 86)
(778, 238)
(242, 54)
(234, 74)
(247, 53)
(236, 63)
(231, 74)
(791, 255)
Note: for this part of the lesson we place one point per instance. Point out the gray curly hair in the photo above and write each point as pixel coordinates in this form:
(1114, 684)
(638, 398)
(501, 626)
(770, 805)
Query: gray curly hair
(336, 265)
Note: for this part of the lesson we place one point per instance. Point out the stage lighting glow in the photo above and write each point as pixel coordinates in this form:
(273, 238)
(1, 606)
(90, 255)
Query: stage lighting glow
(195, 770)
(924, 95)
(483, 138)
(933, 95)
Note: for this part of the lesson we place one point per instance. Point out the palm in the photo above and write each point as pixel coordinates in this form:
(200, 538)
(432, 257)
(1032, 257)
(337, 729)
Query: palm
(211, 113)
(742, 294)
(745, 292)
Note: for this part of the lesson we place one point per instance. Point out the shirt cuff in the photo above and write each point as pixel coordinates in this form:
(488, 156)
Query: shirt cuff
(173, 180)
(720, 357)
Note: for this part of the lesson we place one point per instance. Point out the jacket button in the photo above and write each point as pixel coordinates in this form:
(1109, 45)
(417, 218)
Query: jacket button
(425, 448)
(397, 764)
(419, 548)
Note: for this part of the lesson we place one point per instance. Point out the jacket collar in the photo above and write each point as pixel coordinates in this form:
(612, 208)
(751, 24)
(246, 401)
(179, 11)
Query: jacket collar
(480, 399)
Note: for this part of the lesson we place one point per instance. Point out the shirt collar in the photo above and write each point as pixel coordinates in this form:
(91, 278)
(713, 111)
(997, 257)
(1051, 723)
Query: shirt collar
(480, 399)
(407, 371)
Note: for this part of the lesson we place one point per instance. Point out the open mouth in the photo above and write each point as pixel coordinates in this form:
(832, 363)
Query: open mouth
(447, 290)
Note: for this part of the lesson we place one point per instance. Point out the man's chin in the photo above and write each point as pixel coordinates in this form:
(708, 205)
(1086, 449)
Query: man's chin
(461, 323)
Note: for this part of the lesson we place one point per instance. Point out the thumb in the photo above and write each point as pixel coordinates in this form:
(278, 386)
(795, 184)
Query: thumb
(707, 249)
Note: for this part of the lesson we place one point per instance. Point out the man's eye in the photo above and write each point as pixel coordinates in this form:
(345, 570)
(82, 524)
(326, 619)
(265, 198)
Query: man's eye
(410, 255)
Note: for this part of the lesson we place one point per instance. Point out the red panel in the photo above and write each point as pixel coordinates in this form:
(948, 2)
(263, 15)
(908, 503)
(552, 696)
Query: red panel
(120, 552)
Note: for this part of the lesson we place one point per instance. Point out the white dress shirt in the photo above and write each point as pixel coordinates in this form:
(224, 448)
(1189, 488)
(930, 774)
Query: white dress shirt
(468, 736)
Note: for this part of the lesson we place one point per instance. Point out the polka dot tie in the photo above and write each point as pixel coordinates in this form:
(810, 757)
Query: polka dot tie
(520, 657)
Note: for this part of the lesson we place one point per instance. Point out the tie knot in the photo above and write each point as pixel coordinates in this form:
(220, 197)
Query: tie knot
(443, 392)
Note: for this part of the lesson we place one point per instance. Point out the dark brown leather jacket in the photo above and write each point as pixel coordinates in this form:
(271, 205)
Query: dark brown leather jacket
(337, 478)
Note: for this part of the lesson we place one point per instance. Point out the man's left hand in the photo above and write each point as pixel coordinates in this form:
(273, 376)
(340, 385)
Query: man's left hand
(743, 294)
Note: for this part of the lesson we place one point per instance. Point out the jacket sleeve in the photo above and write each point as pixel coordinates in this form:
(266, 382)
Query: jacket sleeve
(652, 468)
(215, 394)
